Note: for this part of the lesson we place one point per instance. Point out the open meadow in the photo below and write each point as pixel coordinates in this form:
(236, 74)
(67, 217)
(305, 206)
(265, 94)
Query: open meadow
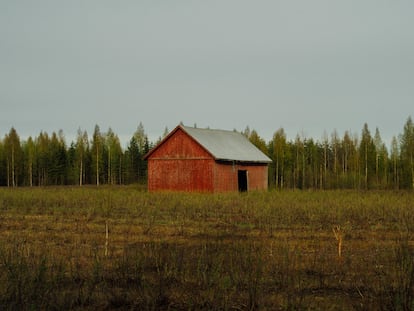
(68, 248)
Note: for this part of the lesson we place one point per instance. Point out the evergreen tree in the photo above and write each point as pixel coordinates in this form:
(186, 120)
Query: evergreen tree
(259, 142)
(142, 141)
(72, 165)
(133, 158)
(57, 159)
(407, 154)
(2, 164)
(367, 155)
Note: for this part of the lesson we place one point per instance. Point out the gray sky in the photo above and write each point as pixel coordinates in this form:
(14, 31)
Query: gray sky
(307, 66)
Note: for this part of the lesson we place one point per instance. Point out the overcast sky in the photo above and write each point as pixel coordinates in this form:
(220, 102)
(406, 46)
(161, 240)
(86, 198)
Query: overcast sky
(309, 66)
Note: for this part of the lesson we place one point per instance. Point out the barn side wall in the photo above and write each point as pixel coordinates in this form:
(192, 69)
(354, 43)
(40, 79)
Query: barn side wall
(226, 176)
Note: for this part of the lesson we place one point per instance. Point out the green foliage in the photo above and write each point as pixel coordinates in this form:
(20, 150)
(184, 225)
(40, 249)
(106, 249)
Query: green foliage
(48, 161)
(348, 162)
(13, 157)
(407, 154)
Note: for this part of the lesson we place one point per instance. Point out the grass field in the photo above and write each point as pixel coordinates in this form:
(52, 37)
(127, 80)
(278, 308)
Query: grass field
(121, 247)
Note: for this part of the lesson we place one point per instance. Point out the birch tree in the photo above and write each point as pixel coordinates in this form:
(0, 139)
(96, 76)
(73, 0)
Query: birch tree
(325, 143)
(278, 156)
(381, 157)
(335, 146)
(13, 154)
(347, 149)
(114, 157)
(81, 150)
(367, 154)
(30, 157)
(395, 159)
(97, 150)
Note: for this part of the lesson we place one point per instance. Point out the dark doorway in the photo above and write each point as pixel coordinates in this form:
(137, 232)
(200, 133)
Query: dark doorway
(242, 180)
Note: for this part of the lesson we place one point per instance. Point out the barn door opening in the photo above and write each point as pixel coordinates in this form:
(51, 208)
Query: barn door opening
(242, 180)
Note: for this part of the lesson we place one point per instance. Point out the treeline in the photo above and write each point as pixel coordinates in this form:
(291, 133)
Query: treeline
(48, 160)
(349, 161)
(340, 162)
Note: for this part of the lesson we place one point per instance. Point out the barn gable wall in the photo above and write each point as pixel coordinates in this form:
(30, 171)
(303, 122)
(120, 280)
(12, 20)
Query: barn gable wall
(180, 164)
(181, 175)
(180, 146)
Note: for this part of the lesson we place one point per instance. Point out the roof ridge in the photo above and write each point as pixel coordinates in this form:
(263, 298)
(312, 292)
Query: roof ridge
(222, 147)
(209, 129)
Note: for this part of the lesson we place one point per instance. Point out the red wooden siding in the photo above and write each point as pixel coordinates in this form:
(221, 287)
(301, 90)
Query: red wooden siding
(180, 163)
(226, 178)
(180, 146)
(180, 175)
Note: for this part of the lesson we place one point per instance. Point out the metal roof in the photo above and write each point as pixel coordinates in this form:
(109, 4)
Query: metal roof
(227, 145)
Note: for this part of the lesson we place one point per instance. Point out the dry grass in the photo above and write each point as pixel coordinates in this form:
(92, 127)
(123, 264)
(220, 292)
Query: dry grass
(272, 250)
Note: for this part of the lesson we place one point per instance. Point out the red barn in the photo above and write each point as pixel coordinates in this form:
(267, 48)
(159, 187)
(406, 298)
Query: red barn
(204, 160)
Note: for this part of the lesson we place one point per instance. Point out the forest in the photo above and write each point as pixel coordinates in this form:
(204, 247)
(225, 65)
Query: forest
(347, 161)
